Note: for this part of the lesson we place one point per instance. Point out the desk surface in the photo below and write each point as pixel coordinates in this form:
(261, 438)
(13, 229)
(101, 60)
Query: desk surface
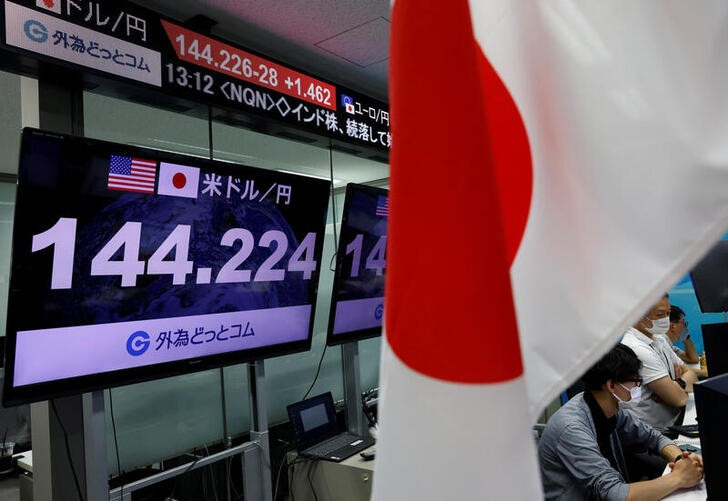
(697, 493)
(356, 461)
(25, 460)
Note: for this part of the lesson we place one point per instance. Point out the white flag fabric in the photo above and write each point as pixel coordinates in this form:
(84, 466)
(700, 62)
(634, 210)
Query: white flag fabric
(605, 137)
(625, 108)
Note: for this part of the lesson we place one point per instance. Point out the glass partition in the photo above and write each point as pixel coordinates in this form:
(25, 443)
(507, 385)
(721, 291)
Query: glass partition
(7, 205)
(10, 127)
(10, 122)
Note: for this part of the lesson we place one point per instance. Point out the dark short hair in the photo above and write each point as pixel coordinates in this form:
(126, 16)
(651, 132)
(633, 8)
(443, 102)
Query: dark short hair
(619, 364)
(676, 313)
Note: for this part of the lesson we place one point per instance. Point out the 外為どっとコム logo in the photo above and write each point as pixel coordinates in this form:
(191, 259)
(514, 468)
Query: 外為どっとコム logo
(137, 343)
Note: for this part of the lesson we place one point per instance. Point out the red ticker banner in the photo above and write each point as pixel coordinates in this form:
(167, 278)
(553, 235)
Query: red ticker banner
(217, 56)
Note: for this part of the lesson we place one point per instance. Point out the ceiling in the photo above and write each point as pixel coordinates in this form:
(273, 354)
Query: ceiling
(344, 41)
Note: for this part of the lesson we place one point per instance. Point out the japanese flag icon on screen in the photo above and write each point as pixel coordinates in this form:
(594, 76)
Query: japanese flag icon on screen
(348, 103)
(178, 180)
(51, 5)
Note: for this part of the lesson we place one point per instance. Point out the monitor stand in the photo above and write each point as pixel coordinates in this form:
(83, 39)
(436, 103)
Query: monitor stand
(355, 422)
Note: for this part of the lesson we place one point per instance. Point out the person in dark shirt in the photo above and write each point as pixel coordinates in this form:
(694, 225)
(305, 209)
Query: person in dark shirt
(581, 447)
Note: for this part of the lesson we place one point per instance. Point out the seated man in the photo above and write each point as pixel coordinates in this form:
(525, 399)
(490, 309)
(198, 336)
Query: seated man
(581, 447)
(666, 378)
(678, 331)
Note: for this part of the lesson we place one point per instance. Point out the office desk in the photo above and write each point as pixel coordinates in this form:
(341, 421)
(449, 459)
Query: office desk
(351, 479)
(697, 493)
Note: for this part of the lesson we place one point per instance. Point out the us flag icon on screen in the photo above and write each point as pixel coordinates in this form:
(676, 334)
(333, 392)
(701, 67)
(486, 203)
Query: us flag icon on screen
(382, 206)
(131, 174)
(178, 180)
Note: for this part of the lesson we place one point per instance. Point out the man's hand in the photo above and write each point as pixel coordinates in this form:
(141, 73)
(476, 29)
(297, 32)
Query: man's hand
(679, 370)
(690, 378)
(696, 457)
(688, 471)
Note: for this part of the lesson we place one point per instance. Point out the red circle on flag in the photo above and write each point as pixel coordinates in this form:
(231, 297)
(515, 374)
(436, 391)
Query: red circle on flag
(511, 153)
(450, 312)
(179, 180)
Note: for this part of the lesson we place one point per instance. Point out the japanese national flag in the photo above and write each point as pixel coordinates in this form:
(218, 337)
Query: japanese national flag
(178, 180)
(586, 154)
(51, 5)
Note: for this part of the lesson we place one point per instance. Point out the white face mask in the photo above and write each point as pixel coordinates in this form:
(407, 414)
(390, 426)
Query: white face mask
(635, 395)
(659, 326)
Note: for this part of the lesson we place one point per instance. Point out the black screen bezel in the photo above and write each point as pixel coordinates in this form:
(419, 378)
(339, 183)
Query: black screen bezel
(70, 386)
(357, 335)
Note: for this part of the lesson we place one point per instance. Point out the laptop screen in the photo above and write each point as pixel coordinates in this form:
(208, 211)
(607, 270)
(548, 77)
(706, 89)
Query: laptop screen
(314, 417)
(313, 420)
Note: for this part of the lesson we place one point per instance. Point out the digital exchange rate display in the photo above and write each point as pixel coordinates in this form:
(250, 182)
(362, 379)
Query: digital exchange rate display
(357, 303)
(126, 42)
(130, 264)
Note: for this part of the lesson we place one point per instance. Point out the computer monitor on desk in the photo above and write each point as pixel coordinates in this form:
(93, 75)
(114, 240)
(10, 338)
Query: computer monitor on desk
(715, 339)
(711, 403)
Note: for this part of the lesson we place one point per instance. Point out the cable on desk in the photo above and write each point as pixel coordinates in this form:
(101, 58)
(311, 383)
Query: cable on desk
(284, 460)
(318, 370)
(292, 465)
(68, 449)
(333, 196)
(310, 482)
(187, 470)
(212, 476)
(238, 496)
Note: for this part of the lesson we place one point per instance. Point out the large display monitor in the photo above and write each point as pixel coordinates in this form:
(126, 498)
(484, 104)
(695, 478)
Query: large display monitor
(130, 264)
(710, 279)
(711, 404)
(357, 301)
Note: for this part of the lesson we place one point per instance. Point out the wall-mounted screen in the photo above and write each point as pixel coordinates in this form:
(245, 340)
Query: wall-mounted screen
(131, 264)
(357, 301)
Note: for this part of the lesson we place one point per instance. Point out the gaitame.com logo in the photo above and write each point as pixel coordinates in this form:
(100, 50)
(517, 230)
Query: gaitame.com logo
(379, 311)
(137, 343)
(35, 31)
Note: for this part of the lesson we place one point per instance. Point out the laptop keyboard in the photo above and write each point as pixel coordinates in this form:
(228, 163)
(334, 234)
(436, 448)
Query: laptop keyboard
(328, 446)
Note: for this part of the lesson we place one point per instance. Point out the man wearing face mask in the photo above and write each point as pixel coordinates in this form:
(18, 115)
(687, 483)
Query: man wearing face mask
(665, 377)
(581, 449)
(678, 331)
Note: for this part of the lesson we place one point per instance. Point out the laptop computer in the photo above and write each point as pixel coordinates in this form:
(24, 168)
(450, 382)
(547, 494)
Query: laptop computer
(317, 432)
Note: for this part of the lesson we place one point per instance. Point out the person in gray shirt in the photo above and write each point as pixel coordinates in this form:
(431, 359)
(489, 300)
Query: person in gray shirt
(580, 450)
